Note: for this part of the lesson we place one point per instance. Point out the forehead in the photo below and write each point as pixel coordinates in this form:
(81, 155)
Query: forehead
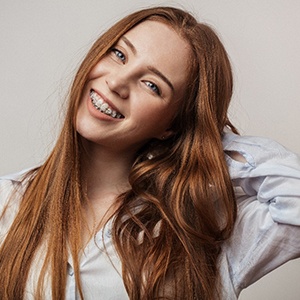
(159, 45)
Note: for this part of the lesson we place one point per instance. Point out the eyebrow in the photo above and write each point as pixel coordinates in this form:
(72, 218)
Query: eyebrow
(129, 44)
(150, 68)
(162, 76)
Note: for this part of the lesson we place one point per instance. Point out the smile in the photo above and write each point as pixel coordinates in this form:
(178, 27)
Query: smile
(102, 106)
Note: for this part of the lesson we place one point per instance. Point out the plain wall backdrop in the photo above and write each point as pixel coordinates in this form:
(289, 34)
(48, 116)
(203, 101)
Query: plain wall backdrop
(43, 42)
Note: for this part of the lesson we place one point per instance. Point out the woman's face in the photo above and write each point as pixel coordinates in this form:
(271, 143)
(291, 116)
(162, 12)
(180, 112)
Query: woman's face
(132, 93)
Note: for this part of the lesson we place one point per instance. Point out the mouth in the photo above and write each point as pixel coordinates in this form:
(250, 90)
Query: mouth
(99, 103)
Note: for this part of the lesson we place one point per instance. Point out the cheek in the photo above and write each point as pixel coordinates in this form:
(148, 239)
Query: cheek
(94, 73)
(157, 117)
(100, 68)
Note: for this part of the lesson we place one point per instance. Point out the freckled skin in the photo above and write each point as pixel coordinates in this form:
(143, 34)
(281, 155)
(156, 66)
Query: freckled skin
(126, 78)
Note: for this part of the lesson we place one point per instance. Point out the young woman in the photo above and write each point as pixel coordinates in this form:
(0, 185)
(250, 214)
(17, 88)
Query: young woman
(149, 192)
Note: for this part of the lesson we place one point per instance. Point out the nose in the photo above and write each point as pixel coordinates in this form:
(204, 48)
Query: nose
(118, 83)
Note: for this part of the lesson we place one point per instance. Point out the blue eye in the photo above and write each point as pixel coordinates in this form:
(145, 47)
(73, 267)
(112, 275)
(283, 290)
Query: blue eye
(119, 54)
(153, 87)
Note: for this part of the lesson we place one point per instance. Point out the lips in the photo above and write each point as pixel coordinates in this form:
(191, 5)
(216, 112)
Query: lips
(100, 104)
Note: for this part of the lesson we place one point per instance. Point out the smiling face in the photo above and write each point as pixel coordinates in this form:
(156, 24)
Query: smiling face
(133, 93)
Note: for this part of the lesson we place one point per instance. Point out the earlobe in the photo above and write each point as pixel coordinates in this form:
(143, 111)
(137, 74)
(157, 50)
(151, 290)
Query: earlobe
(167, 134)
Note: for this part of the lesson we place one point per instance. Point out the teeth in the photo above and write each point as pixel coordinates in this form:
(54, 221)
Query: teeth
(108, 111)
(99, 102)
(103, 106)
(113, 114)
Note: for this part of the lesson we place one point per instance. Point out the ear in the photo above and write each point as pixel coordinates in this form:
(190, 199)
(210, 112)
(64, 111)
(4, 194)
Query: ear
(165, 135)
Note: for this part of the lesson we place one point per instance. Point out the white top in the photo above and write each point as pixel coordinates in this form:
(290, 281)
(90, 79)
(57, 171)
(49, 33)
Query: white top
(266, 234)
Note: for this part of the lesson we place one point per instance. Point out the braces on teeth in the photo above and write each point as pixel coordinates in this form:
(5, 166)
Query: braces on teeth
(103, 106)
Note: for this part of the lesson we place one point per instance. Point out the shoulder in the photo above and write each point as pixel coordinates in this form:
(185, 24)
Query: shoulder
(8, 184)
(12, 186)
(11, 190)
(11, 181)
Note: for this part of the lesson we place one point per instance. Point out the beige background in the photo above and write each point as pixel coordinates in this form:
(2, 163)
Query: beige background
(42, 43)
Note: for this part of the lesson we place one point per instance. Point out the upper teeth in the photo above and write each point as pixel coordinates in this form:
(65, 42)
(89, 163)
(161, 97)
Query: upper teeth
(101, 105)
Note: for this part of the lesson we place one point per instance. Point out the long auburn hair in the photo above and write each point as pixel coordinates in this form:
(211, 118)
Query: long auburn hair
(181, 196)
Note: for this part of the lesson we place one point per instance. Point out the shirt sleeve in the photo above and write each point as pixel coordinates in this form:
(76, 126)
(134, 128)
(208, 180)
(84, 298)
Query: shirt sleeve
(267, 186)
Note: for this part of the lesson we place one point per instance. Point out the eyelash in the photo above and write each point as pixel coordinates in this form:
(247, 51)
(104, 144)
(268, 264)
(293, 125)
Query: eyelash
(119, 54)
(152, 86)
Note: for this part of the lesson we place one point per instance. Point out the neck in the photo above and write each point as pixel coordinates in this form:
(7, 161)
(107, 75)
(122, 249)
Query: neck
(105, 172)
(105, 177)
